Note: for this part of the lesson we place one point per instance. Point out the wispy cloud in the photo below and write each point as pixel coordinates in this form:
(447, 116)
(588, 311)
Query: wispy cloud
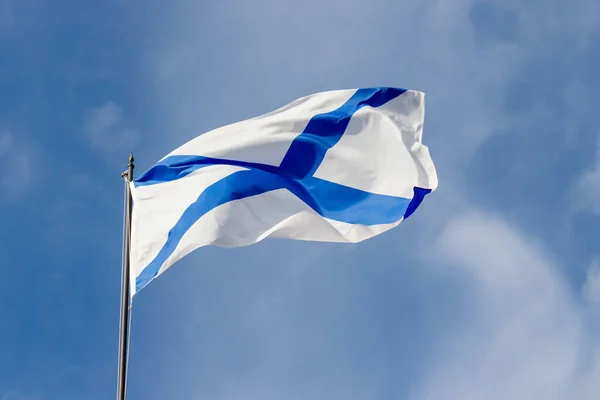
(19, 162)
(6, 14)
(16, 395)
(18, 13)
(585, 192)
(525, 337)
(107, 131)
(591, 288)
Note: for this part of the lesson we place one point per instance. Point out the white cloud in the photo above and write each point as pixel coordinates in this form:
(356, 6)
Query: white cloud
(15, 395)
(16, 14)
(6, 14)
(526, 337)
(19, 166)
(591, 288)
(107, 131)
(586, 189)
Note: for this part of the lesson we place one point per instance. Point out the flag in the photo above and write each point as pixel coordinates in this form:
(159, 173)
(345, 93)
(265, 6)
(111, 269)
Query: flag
(336, 166)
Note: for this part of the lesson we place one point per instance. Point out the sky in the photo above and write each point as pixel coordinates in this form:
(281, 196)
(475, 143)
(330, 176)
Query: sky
(491, 290)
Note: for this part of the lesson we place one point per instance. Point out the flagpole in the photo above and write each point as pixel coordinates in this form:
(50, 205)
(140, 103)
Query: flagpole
(125, 296)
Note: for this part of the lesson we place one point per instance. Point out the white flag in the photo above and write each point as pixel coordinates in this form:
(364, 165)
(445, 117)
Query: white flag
(338, 166)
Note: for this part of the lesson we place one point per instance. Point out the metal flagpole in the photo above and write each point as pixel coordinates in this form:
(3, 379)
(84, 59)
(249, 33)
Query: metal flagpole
(125, 297)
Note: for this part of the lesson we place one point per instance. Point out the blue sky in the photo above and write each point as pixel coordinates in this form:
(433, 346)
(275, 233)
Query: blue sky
(490, 291)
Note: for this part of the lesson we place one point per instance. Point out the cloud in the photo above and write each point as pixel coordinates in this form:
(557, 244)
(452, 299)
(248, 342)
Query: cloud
(526, 337)
(18, 13)
(19, 166)
(591, 288)
(6, 14)
(107, 131)
(15, 395)
(585, 192)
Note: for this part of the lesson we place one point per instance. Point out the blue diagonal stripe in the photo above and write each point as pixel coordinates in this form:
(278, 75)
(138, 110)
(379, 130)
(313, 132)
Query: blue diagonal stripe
(323, 131)
(177, 167)
(303, 157)
(330, 200)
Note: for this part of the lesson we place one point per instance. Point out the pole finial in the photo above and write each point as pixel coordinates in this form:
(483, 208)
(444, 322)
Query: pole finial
(128, 174)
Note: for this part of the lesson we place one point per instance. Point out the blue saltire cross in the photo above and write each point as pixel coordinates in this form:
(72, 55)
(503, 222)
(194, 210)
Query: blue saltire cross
(295, 173)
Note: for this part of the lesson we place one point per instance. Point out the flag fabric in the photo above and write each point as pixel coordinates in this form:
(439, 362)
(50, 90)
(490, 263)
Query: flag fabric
(337, 166)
